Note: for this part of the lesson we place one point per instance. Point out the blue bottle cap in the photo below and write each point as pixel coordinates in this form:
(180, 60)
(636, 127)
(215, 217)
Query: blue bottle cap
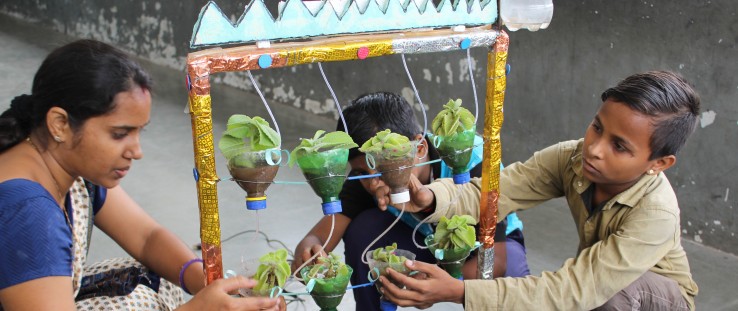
(332, 207)
(462, 178)
(385, 305)
(256, 205)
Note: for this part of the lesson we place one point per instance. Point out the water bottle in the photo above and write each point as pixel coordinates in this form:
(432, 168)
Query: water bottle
(528, 14)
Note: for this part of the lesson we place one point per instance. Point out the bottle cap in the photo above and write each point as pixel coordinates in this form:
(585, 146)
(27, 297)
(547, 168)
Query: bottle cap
(462, 178)
(255, 205)
(332, 207)
(401, 197)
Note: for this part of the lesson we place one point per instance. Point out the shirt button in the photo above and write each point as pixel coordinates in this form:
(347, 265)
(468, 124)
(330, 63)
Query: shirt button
(579, 184)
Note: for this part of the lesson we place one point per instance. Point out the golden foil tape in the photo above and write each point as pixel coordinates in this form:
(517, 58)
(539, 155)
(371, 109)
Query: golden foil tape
(207, 190)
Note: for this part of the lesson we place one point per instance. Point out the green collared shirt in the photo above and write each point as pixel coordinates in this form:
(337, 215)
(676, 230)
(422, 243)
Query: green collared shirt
(635, 231)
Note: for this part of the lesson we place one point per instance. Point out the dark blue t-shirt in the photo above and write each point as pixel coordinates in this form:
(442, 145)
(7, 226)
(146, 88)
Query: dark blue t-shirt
(36, 240)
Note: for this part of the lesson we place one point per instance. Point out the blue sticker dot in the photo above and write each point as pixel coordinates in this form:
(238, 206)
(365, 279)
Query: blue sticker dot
(196, 174)
(265, 61)
(465, 44)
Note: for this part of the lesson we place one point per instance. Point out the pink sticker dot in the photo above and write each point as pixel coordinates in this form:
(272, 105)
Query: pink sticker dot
(363, 52)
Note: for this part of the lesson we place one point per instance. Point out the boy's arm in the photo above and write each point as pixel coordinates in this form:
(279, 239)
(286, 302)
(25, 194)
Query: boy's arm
(522, 186)
(317, 236)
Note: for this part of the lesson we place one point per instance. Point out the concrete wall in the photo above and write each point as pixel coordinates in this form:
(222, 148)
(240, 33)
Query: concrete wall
(553, 89)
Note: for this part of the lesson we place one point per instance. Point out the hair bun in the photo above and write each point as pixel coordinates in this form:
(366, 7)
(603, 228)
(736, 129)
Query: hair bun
(22, 109)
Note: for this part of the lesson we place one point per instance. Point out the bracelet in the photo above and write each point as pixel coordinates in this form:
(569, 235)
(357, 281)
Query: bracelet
(182, 273)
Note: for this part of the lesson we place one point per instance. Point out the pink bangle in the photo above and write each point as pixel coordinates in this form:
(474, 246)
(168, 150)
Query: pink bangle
(182, 273)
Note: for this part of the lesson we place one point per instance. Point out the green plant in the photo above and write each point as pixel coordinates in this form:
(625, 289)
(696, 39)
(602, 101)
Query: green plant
(392, 145)
(273, 271)
(256, 130)
(452, 119)
(328, 268)
(319, 142)
(455, 233)
(387, 254)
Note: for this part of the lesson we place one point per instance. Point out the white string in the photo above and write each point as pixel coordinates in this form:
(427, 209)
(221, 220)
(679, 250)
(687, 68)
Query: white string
(335, 99)
(363, 254)
(322, 249)
(474, 86)
(417, 95)
(256, 86)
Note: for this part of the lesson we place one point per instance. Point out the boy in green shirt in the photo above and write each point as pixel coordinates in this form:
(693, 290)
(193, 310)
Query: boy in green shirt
(626, 212)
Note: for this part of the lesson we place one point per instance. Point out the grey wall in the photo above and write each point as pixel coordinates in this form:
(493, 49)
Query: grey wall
(552, 92)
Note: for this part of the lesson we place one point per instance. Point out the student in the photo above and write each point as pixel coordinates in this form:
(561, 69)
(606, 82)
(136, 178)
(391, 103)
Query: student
(630, 255)
(361, 222)
(63, 151)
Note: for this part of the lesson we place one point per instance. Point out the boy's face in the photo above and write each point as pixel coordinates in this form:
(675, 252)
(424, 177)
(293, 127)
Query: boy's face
(617, 147)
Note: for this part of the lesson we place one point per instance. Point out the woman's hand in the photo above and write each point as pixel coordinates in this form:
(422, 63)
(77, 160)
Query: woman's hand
(429, 286)
(421, 197)
(215, 297)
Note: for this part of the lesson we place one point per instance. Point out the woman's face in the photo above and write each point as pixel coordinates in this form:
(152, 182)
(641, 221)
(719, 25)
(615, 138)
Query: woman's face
(105, 146)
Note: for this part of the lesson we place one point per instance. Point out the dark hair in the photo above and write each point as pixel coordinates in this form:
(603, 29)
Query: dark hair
(375, 112)
(82, 78)
(669, 99)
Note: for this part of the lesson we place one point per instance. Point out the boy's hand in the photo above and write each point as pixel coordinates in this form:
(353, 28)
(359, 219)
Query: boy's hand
(421, 197)
(305, 250)
(435, 285)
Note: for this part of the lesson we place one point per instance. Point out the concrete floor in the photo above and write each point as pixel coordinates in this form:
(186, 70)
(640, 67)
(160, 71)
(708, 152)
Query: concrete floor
(163, 184)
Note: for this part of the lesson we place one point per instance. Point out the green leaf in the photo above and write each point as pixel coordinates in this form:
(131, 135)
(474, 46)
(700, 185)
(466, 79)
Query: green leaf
(456, 232)
(256, 131)
(331, 141)
(392, 145)
(452, 119)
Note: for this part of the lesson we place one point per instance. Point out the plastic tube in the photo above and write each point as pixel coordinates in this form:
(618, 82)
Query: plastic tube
(417, 95)
(474, 86)
(335, 99)
(322, 248)
(363, 254)
(263, 100)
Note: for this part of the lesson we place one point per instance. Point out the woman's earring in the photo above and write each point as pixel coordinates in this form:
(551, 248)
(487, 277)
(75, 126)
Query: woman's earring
(650, 172)
(58, 139)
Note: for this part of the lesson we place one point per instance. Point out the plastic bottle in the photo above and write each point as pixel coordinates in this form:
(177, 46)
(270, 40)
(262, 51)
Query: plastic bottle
(527, 14)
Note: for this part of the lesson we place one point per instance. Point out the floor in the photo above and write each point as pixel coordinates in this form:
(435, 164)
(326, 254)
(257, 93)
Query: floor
(163, 182)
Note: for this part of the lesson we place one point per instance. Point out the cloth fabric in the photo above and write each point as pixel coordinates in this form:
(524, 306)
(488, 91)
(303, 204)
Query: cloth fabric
(651, 291)
(36, 239)
(636, 231)
(26, 206)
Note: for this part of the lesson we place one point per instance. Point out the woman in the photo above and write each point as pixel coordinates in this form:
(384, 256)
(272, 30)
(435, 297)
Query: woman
(63, 151)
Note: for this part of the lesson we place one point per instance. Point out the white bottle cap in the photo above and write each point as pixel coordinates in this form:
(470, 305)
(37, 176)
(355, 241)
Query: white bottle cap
(401, 197)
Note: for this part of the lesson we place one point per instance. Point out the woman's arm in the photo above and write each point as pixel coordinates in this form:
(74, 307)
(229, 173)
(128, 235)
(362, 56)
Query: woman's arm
(144, 239)
(47, 293)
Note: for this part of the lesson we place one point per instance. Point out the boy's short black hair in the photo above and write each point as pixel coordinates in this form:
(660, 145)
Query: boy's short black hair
(375, 112)
(669, 99)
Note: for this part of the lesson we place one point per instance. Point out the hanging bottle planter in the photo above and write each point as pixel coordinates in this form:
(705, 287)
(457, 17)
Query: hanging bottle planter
(452, 243)
(325, 171)
(453, 136)
(393, 155)
(331, 277)
(388, 257)
(252, 166)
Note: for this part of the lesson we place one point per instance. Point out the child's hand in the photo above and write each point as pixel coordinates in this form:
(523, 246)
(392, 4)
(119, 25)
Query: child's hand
(307, 248)
(435, 286)
(421, 197)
